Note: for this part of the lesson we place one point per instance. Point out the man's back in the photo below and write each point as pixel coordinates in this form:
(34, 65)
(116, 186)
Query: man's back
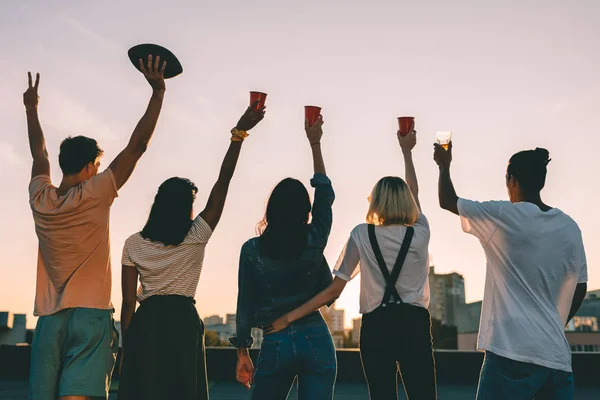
(74, 245)
(534, 261)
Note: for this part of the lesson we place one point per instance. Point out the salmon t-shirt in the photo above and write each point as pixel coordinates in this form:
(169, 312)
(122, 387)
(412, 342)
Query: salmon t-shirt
(73, 268)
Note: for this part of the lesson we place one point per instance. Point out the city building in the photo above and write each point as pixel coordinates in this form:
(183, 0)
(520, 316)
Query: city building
(335, 321)
(467, 317)
(356, 324)
(593, 294)
(230, 321)
(213, 320)
(226, 330)
(334, 318)
(223, 330)
(447, 296)
(13, 328)
(590, 307)
(583, 324)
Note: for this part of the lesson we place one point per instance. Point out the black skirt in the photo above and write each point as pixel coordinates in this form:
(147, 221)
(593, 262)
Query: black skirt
(164, 355)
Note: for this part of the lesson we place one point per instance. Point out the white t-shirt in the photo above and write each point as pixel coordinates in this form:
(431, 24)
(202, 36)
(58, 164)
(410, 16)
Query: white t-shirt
(166, 270)
(535, 260)
(358, 256)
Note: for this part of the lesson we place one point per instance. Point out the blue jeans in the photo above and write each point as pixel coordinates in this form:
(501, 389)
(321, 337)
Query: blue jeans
(304, 349)
(503, 378)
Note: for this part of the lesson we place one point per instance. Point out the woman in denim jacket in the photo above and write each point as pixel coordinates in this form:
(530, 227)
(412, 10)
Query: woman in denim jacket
(280, 270)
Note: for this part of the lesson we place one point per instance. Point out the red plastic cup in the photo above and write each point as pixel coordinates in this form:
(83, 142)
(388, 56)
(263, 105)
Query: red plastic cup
(311, 113)
(261, 97)
(405, 124)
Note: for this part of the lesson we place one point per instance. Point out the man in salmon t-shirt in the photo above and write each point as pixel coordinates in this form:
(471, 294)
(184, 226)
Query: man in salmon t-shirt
(75, 341)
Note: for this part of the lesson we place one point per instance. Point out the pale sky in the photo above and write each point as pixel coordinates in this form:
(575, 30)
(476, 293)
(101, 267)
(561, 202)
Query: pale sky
(502, 76)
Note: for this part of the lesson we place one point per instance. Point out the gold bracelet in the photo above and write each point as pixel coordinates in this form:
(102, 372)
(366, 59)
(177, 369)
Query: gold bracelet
(238, 135)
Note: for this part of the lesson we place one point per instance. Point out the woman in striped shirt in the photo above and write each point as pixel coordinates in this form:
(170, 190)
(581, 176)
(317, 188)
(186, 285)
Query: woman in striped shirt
(163, 351)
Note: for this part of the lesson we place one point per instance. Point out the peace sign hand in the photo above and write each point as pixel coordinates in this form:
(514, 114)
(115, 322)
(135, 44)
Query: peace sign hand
(30, 97)
(154, 72)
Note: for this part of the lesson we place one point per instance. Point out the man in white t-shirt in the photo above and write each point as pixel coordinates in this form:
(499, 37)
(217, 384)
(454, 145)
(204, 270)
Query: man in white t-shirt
(535, 281)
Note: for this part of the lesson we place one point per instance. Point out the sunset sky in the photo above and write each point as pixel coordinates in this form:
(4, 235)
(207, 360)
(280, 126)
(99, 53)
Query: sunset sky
(502, 76)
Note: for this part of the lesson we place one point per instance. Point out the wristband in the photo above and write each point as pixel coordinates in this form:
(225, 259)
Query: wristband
(238, 135)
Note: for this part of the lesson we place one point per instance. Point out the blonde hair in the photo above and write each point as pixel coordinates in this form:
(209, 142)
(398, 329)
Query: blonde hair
(392, 203)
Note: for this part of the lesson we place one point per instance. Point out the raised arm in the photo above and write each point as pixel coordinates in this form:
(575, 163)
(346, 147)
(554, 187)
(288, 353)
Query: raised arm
(407, 143)
(447, 194)
(123, 165)
(37, 143)
(216, 201)
(314, 134)
(322, 214)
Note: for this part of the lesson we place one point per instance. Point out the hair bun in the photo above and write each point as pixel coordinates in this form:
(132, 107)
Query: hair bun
(543, 154)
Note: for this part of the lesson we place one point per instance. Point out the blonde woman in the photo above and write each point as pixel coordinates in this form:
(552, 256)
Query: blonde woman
(391, 251)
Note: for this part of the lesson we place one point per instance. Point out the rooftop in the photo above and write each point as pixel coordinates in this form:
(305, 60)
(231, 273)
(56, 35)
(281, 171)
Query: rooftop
(457, 373)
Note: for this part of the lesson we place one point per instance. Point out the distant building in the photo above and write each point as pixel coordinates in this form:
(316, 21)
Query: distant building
(230, 321)
(335, 321)
(213, 320)
(334, 318)
(338, 339)
(356, 324)
(447, 296)
(593, 294)
(583, 324)
(13, 328)
(467, 317)
(223, 330)
(590, 306)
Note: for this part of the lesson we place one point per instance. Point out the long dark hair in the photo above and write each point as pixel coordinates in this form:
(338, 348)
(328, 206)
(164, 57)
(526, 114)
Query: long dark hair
(283, 230)
(171, 215)
(528, 167)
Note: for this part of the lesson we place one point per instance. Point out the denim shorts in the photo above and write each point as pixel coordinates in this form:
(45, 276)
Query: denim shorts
(74, 353)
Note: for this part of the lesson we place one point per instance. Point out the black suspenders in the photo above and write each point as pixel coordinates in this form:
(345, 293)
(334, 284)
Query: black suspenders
(391, 280)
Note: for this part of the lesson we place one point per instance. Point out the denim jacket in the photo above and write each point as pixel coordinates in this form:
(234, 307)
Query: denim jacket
(267, 289)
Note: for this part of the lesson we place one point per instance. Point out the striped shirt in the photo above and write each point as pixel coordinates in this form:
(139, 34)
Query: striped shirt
(166, 270)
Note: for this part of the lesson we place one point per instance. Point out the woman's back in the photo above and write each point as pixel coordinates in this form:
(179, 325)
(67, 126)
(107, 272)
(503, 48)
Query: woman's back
(271, 286)
(166, 270)
(282, 285)
(358, 256)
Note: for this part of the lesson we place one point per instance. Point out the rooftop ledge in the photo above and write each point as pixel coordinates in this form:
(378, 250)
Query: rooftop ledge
(457, 373)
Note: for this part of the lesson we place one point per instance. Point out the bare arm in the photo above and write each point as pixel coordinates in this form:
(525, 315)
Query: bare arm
(314, 134)
(447, 195)
(407, 143)
(578, 298)
(37, 143)
(123, 165)
(216, 201)
(129, 278)
(327, 296)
